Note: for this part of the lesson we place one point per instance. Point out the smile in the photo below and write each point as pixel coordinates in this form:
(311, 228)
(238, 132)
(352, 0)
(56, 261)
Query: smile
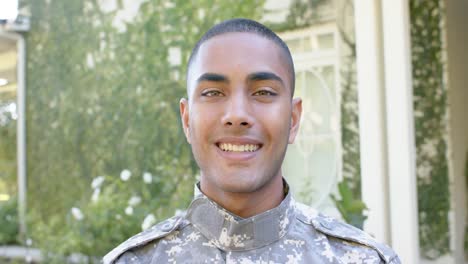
(238, 148)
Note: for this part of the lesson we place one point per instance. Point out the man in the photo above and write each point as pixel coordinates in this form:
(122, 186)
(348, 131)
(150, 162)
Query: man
(239, 118)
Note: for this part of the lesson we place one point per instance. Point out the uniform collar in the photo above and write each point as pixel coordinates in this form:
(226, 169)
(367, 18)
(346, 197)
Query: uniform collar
(230, 232)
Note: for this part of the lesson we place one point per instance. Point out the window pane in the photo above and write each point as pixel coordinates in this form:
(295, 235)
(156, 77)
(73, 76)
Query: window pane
(294, 45)
(8, 163)
(311, 162)
(307, 44)
(326, 41)
(325, 71)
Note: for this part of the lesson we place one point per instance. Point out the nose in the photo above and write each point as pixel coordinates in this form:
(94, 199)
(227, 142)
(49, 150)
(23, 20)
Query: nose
(237, 112)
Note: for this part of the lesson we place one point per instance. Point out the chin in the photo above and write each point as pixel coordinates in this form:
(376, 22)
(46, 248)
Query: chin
(238, 188)
(242, 183)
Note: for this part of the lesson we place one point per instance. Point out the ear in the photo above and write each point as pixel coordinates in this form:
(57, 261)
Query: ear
(184, 116)
(295, 119)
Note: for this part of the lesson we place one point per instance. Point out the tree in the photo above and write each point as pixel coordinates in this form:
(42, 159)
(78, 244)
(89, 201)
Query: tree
(102, 97)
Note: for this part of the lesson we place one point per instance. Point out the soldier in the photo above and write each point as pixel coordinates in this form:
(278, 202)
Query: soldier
(239, 117)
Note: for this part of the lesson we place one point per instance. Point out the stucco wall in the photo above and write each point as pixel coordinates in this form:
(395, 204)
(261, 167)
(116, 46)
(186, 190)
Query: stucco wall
(457, 37)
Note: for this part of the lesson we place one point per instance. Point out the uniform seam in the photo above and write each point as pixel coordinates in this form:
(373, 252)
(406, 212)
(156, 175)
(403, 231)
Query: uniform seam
(146, 241)
(350, 239)
(182, 224)
(393, 258)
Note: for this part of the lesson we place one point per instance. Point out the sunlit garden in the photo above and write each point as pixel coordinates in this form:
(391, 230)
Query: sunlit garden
(105, 154)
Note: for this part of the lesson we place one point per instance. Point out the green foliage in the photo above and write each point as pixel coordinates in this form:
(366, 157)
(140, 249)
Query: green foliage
(8, 209)
(9, 222)
(466, 241)
(302, 13)
(430, 104)
(8, 181)
(114, 212)
(351, 208)
(13, 261)
(351, 159)
(103, 98)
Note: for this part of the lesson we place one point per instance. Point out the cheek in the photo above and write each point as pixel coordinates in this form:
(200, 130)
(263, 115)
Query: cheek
(277, 119)
(202, 122)
(279, 116)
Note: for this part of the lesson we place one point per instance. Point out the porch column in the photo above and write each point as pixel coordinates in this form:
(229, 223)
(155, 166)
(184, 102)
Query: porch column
(400, 130)
(372, 131)
(388, 154)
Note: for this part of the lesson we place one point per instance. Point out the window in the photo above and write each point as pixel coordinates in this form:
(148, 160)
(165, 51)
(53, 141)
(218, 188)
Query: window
(312, 164)
(8, 117)
(8, 140)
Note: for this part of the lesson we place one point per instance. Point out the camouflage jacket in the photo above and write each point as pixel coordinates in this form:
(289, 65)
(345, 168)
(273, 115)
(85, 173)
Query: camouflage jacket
(289, 233)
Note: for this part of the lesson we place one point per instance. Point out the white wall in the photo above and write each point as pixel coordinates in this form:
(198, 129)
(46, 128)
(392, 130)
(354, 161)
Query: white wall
(457, 56)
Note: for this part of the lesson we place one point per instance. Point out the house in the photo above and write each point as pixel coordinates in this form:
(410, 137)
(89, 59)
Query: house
(384, 89)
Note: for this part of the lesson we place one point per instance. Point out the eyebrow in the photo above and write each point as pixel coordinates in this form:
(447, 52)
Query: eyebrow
(212, 77)
(264, 76)
(256, 76)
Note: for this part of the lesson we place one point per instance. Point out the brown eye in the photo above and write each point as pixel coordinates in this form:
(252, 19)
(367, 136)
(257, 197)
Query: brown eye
(212, 93)
(264, 93)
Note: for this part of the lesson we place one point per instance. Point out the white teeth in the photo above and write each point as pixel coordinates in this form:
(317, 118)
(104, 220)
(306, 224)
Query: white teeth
(238, 148)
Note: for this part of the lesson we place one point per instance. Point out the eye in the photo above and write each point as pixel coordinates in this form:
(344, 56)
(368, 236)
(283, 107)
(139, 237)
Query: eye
(265, 93)
(212, 93)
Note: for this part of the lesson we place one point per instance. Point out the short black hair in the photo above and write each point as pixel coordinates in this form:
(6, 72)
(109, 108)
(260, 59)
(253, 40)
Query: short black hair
(248, 26)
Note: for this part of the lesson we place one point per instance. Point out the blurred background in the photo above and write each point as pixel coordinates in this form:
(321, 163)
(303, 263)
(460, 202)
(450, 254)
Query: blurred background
(92, 150)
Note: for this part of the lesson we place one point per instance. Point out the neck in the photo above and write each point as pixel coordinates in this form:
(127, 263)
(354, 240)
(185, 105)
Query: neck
(247, 204)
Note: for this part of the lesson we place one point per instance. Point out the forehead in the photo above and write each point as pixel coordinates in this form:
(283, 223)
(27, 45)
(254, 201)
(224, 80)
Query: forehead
(239, 53)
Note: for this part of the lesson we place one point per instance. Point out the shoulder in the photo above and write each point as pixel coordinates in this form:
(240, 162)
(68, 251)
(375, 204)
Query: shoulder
(156, 232)
(347, 234)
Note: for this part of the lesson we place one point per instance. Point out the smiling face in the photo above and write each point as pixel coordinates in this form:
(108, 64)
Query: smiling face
(240, 115)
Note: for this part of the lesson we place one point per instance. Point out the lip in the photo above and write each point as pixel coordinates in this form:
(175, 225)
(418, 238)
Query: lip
(238, 156)
(239, 141)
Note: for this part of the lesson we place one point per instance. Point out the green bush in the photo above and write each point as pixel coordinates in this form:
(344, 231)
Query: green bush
(9, 222)
(430, 120)
(118, 208)
(350, 207)
(8, 172)
(104, 98)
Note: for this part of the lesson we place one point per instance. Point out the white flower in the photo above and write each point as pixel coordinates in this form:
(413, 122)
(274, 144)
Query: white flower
(424, 172)
(118, 216)
(201, 14)
(169, 4)
(97, 182)
(89, 60)
(174, 56)
(95, 196)
(429, 148)
(148, 222)
(125, 175)
(77, 214)
(129, 210)
(147, 177)
(134, 200)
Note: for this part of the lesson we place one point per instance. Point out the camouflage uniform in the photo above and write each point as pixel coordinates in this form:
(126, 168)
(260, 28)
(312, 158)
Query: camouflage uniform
(289, 233)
